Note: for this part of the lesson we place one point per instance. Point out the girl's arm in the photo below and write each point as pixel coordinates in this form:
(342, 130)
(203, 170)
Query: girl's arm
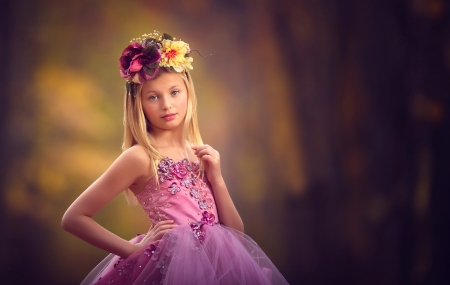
(132, 166)
(228, 214)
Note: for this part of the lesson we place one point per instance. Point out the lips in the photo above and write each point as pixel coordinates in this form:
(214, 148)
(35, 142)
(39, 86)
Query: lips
(169, 117)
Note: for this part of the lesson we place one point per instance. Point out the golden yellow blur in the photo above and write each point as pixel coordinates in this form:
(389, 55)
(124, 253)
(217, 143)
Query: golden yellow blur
(331, 120)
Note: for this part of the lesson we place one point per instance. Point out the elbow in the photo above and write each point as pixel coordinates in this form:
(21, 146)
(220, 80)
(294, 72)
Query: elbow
(66, 222)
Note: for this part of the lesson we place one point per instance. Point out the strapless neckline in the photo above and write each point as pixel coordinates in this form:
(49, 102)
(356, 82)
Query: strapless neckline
(152, 183)
(180, 159)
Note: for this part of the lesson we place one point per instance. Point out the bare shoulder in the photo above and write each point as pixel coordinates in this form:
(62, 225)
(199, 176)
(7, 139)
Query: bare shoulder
(138, 165)
(137, 155)
(137, 152)
(134, 158)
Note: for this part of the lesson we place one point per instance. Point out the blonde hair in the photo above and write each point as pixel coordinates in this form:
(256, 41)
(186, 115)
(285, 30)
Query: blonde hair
(137, 127)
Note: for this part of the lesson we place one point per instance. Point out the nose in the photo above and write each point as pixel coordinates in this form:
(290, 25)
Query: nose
(166, 103)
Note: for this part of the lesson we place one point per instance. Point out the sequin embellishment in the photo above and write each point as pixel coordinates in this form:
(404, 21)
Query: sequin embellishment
(194, 193)
(173, 188)
(197, 227)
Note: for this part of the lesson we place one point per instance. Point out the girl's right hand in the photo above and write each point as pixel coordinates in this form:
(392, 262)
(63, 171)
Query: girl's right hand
(155, 234)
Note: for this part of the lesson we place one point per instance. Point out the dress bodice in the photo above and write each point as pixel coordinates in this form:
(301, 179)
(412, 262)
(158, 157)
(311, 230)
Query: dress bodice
(198, 251)
(178, 193)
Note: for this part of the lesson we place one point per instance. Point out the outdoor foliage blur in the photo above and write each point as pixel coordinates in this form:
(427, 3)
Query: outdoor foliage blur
(331, 118)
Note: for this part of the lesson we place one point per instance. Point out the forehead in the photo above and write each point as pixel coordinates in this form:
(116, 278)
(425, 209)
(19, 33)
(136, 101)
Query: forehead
(163, 82)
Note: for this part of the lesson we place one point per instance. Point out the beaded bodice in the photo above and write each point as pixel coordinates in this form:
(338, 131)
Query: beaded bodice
(181, 195)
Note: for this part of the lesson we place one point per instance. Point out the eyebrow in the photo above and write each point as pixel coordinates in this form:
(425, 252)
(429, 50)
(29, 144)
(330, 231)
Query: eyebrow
(176, 85)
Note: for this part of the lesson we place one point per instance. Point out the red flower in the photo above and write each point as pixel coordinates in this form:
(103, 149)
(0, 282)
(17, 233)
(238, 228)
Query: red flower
(137, 59)
(126, 58)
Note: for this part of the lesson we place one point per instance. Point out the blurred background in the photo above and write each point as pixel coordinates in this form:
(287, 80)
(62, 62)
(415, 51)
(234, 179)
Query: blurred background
(331, 117)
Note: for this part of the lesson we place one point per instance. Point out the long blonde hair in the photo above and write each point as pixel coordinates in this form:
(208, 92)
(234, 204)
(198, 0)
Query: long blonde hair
(137, 128)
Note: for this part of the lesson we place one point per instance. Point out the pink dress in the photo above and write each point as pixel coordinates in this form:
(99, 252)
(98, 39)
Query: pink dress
(199, 251)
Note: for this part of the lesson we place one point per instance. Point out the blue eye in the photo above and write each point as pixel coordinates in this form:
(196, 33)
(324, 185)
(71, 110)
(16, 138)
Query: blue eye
(153, 97)
(175, 92)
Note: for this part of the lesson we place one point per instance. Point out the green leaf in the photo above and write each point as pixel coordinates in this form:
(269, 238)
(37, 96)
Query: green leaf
(149, 50)
(153, 65)
(150, 70)
(167, 37)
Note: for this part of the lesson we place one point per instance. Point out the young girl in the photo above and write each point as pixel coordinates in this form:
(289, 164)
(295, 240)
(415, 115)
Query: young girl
(196, 235)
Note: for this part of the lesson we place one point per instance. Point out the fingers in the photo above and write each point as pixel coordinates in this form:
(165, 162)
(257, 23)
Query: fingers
(161, 226)
(156, 232)
(205, 151)
(160, 234)
(198, 148)
(157, 226)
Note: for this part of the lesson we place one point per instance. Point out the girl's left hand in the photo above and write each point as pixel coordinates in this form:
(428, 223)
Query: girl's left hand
(211, 160)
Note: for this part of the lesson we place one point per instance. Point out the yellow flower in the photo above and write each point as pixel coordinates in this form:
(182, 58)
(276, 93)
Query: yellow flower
(173, 55)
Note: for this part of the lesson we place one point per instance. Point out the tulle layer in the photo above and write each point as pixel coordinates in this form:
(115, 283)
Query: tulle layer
(224, 257)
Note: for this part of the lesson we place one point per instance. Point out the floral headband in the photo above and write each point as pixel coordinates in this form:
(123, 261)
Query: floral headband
(141, 60)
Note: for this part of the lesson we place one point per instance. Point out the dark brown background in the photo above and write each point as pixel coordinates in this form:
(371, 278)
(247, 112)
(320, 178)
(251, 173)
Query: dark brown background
(332, 118)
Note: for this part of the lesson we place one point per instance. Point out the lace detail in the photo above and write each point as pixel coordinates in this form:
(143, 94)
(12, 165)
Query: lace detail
(152, 203)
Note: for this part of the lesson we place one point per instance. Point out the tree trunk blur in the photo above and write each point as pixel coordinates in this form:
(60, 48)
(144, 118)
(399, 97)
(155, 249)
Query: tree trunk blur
(372, 83)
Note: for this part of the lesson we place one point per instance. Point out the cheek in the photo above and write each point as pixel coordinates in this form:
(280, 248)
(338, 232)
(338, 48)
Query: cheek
(184, 104)
(149, 111)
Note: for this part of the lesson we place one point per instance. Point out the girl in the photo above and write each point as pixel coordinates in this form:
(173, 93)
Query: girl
(196, 235)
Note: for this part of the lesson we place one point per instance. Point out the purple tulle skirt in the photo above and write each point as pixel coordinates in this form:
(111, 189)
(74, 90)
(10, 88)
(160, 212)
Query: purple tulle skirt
(224, 257)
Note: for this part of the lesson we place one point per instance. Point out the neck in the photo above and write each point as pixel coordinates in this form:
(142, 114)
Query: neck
(171, 143)
(169, 139)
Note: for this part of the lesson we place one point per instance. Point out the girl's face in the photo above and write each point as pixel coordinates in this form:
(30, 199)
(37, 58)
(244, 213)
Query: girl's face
(164, 101)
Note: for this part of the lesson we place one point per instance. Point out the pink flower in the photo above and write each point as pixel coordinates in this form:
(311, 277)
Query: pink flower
(178, 170)
(194, 193)
(208, 218)
(174, 189)
(196, 226)
(165, 164)
(164, 167)
(150, 250)
(203, 204)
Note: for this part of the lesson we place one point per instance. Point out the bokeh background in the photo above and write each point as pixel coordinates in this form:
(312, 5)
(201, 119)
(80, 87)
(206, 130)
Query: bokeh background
(332, 119)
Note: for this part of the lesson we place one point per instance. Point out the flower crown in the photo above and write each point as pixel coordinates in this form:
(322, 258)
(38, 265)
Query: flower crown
(141, 60)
